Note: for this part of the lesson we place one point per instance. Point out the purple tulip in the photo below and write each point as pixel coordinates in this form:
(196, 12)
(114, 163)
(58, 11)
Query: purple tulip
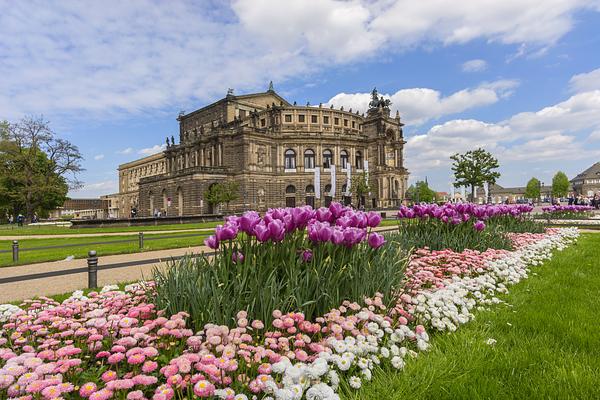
(248, 221)
(261, 231)
(359, 220)
(324, 215)
(344, 221)
(277, 230)
(226, 232)
(325, 233)
(307, 255)
(336, 209)
(376, 240)
(212, 242)
(237, 257)
(301, 216)
(373, 219)
(479, 226)
(353, 236)
(337, 236)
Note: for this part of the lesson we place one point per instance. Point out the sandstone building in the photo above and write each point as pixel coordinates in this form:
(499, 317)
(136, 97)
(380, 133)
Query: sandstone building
(587, 183)
(280, 154)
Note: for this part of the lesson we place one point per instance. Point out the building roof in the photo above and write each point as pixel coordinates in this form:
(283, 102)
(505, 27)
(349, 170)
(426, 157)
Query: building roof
(591, 172)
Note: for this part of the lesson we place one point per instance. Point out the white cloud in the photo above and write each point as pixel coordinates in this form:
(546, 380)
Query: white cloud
(513, 22)
(554, 133)
(476, 65)
(98, 157)
(586, 81)
(96, 189)
(132, 56)
(128, 150)
(419, 105)
(594, 136)
(157, 148)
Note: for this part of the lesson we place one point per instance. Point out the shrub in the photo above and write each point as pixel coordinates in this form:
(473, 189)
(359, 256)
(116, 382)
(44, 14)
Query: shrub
(292, 260)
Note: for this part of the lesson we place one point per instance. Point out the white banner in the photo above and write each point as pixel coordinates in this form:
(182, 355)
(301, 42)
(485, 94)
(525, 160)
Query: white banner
(348, 179)
(366, 162)
(317, 182)
(486, 189)
(332, 169)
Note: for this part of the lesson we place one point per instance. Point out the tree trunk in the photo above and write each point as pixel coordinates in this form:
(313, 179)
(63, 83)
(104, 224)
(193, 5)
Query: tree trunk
(472, 193)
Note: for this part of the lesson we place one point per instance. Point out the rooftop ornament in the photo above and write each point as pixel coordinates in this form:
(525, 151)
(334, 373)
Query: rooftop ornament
(378, 101)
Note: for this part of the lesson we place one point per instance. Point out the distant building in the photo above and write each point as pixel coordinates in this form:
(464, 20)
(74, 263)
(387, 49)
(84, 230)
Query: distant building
(588, 182)
(81, 209)
(499, 194)
(280, 154)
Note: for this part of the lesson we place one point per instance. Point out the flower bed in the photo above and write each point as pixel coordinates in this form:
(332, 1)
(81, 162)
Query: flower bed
(460, 226)
(117, 345)
(567, 212)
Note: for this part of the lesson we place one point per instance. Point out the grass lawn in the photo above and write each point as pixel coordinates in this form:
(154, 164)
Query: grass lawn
(14, 230)
(28, 257)
(548, 342)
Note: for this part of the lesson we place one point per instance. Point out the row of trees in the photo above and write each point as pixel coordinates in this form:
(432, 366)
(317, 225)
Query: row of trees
(477, 167)
(560, 187)
(37, 168)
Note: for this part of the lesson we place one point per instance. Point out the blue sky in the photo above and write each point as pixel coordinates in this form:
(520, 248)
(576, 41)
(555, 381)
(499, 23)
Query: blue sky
(519, 78)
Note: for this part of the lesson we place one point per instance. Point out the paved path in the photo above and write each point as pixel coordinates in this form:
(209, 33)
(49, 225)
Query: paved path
(47, 286)
(78, 235)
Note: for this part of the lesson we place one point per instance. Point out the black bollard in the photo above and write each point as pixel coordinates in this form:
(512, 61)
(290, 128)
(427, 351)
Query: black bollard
(141, 240)
(15, 249)
(92, 263)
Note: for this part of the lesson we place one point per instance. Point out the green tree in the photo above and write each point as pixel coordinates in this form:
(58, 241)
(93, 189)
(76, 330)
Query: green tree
(421, 192)
(560, 184)
(533, 189)
(222, 192)
(230, 192)
(360, 186)
(474, 168)
(36, 167)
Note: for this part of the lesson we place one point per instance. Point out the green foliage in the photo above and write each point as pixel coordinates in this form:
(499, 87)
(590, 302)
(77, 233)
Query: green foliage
(222, 192)
(474, 168)
(560, 184)
(533, 189)
(420, 192)
(273, 276)
(437, 235)
(36, 168)
(522, 224)
(360, 185)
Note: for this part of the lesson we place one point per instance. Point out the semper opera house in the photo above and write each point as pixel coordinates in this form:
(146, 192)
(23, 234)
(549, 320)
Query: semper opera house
(280, 154)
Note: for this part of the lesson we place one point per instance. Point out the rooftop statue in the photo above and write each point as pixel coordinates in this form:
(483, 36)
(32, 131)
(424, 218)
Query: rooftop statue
(378, 101)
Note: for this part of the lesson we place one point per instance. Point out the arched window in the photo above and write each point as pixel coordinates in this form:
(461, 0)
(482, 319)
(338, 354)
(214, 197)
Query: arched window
(344, 159)
(290, 159)
(290, 189)
(309, 159)
(327, 158)
(310, 189)
(358, 160)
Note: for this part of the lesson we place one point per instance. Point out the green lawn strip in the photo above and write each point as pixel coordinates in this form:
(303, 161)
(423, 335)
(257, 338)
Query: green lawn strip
(14, 230)
(34, 256)
(547, 342)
